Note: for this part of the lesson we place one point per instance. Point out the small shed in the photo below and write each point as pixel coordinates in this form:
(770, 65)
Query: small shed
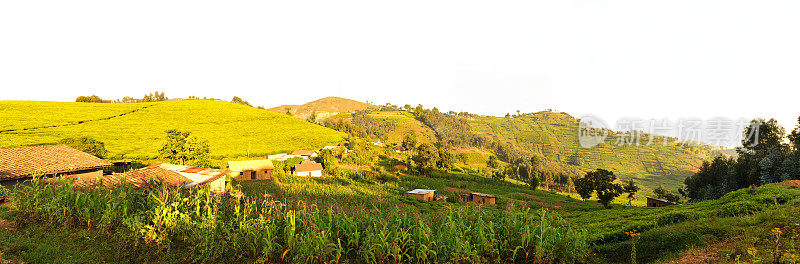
(478, 198)
(422, 194)
(658, 202)
(245, 170)
(308, 168)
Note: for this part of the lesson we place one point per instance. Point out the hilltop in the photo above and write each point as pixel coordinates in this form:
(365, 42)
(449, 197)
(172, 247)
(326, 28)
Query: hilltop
(323, 108)
(136, 130)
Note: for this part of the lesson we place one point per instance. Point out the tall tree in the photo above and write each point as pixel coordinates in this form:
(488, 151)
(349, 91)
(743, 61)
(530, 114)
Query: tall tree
(184, 149)
(426, 158)
(630, 188)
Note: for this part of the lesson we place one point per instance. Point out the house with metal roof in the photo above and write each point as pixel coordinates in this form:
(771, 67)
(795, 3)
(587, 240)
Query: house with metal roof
(199, 177)
(422, 194)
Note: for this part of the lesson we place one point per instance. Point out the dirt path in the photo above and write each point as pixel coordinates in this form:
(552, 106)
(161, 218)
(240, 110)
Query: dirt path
(708, 254)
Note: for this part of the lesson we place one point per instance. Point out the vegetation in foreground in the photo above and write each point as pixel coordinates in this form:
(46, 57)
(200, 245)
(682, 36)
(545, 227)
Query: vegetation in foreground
(201, 227)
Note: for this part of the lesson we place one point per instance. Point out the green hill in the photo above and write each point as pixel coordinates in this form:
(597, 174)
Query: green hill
(555, 137)
(136, 130)
(323, 108)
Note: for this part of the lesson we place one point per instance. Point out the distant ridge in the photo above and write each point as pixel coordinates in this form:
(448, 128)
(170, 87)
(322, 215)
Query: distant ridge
(323, 108)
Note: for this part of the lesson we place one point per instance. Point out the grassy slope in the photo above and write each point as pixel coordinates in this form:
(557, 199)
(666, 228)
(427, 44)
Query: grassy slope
(555, 136)
(229, 128)
(405, 123)
(324, 107)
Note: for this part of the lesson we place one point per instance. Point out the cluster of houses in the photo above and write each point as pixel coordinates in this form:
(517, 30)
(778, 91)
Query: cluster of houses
(469, 197)
(18, 164)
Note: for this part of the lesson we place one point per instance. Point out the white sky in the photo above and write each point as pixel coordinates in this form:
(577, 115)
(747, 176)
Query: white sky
(649, 59)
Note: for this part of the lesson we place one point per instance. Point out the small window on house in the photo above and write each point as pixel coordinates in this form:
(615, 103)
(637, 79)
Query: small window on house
(252, 175)
(241, 173)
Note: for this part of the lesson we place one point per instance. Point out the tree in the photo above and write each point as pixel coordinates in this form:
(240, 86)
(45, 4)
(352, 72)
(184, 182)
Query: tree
(533, 182)
(409, 140)
(630, 188)
(492, 162)
(237, 100)
(584, 188)
(426, 158)
(446, 159)
(182, 148)
(91, 99)
(87, 144)
(601, 182)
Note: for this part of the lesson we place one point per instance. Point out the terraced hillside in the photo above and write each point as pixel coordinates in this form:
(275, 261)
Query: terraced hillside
(555, 136)
(136, 130)
(323, 108)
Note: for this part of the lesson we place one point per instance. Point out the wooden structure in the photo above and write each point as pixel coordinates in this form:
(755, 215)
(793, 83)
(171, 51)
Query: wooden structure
(245, 170)
(657, 202)
(478, 198)
(308, 168)
(21, 163)
(422, 194)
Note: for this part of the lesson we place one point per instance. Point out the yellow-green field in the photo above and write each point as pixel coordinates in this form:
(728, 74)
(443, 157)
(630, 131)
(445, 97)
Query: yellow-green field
(136, 130)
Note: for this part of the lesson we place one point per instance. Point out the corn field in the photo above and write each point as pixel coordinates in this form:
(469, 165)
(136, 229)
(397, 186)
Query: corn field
(204, 227)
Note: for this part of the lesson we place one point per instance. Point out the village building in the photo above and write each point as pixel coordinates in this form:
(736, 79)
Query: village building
(18, 164)
(308, 168)
(138, 178)
(657, 202)
(244, 170)
(306, 154)
(422, 194)
(478, 198)
(399, 149)
(198, 177)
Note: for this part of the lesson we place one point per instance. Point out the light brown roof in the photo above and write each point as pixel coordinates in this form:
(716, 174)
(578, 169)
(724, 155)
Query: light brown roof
(303, 152)
(22, 162)
(243, 165)
(307, 165)
(158, 174)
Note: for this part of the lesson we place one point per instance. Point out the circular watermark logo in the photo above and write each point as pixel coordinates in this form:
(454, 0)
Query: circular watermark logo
(592, 131)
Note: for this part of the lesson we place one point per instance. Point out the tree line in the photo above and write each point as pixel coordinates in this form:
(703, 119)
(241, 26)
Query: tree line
(767, 155)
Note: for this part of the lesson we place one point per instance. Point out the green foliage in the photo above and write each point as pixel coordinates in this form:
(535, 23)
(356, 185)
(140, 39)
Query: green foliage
(763, 158)
(601, 182)
(200, 227)
(183, 148)
(237, 100)
(492, 162)
(86, 144)
(135, 130)
(91, 99)
(410, 141)
(630, 188)
(665, 194)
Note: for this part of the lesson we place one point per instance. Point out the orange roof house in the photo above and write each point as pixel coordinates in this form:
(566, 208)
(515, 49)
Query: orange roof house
(49, 160)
